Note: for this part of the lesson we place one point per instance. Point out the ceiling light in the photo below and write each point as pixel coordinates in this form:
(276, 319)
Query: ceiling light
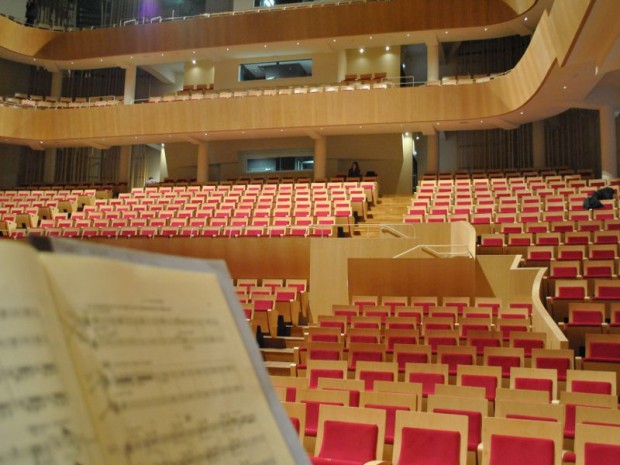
(297, 43)
(194, 52)
(417, 137)
(361, 50)
(565, 87)
(486, 29)
(265, 46)
(520, 112)
(370, 37)
(525, 19)
(193, 62)
(387, 48)
(445, 32)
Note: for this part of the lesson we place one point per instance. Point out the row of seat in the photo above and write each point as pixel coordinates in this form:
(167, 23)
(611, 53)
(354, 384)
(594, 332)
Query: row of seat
(327, 230)
(557, 239)
(461, 175)
(258, 92)
(452, 430)
(487, 383)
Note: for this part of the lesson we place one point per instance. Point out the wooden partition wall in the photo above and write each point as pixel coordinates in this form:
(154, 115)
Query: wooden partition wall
(285, 257)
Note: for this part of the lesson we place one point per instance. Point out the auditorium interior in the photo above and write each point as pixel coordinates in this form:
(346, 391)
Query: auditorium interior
(454, 301)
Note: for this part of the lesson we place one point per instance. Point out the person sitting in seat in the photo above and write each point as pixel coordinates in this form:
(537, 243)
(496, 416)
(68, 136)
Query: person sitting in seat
(354, 171)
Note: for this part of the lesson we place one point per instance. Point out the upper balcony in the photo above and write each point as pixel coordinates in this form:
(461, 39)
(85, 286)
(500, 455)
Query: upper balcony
(557, 72)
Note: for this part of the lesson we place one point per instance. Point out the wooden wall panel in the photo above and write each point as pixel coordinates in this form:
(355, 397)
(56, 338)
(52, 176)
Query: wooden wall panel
(501, 275)
(245, 257)
(251, 27)
(419, 277)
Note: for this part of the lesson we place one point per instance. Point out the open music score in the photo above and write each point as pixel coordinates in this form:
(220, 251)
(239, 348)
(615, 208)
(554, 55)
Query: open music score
(157, 360)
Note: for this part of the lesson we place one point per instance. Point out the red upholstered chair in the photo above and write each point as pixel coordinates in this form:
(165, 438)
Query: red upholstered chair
(524, 410)
(353, 386)
(518, 442)
(460, 303)
(325, 369)
(566, 291)
(319, 351)
(596, 445)
(394, 301)
(333, 321)
(426, 374)
(362, 335)
(535, 379)
(391, 403)
(527, 341)
(290, 384)
(507, 326)
(400, 323)
(411, 353)
(561, 360)
(602, 352)
(486, 377)
(296, 411)
(365, 352)
(320, 334)
(606, 289)
(349, 436)
(468, 323)
(599, 268)
(369, 372)
(424, 302)
(504, 357)
(494, 303)
(573, 400)
(453, 356)
(593, 382)
(439, 337)
(474, 409)
(430, 439)
(313, 400)
(483, 339)
(400, 336)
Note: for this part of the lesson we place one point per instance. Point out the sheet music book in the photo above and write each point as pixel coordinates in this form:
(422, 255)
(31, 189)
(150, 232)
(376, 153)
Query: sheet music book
(115, 357)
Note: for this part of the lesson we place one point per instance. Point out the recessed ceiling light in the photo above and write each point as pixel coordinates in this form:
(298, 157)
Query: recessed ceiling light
(227, 49)
(361, 50)
(194, 52)
(565, 87)
(438, 124)
(162, 54)
(100, 59)
(481, 121)
(521, 113)
(417, 137)
(525, 19)
(131, 57)
(486, 29)
(193, 62)
(387, 48)
(370, 37)
(408, 35)
(333, 40)
(265, 46)
(445, 32)
(297, 43)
